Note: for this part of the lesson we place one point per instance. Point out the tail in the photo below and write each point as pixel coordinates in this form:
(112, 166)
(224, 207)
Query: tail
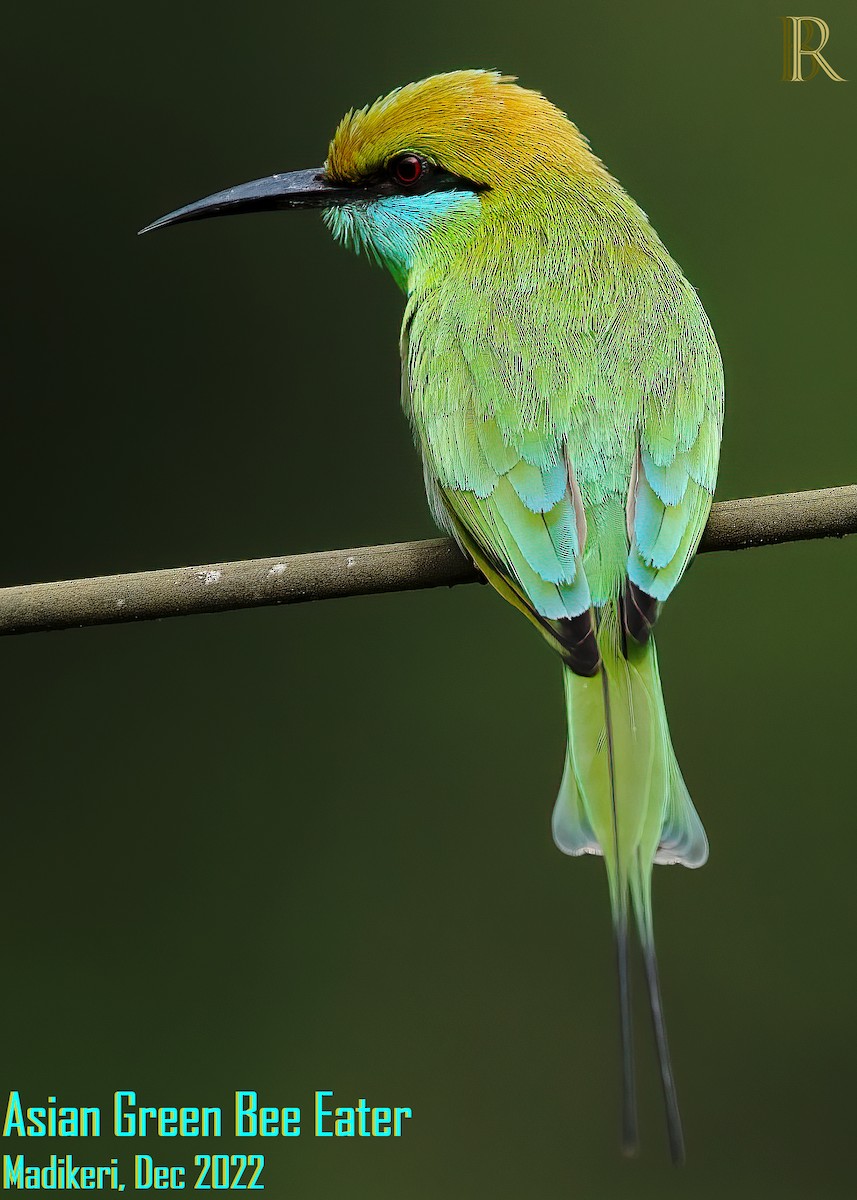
(622, 796)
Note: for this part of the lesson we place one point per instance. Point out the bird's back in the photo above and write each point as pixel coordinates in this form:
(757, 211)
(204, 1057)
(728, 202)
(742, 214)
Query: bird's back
(563, 345)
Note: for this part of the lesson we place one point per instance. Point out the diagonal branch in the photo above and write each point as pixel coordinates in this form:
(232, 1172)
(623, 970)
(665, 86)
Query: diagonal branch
(368, 570)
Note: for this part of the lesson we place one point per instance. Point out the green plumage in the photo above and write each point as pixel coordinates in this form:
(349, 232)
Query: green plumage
(565, 390)
(566, 394)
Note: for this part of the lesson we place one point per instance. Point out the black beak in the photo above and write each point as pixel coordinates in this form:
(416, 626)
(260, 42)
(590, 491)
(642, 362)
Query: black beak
(297, 189)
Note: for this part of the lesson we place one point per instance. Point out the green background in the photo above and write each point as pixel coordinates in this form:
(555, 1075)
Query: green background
(309, 848)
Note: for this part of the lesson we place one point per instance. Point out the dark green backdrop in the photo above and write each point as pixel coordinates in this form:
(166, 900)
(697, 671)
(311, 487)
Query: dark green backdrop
(307, 848)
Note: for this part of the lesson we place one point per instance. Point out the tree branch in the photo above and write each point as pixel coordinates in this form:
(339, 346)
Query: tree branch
(368, 570)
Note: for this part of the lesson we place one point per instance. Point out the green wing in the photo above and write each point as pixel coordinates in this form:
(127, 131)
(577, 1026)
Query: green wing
(569, 436)
(675, 468)
(502, 486)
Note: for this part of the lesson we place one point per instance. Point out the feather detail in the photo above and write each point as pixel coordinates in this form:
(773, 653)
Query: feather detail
(539, 489)
(565, 390)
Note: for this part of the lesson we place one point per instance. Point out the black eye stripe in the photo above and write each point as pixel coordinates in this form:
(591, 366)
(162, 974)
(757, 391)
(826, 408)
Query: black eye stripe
(385, 181)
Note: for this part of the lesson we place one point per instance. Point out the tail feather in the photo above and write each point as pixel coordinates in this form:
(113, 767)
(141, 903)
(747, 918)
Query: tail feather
(619, 903)
(630, 1131)
(623, 796)
(641, 894)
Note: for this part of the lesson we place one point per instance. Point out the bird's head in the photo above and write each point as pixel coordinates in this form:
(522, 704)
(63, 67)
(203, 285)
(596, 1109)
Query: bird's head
(409, 178)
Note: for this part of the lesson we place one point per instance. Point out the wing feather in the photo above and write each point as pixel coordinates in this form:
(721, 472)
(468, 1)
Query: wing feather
(532, 415)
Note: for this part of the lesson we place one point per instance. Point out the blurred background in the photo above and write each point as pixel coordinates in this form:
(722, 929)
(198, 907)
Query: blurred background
(309, 848)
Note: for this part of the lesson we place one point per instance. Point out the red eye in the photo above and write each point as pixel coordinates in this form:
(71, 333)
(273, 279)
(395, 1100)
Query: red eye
(407, 169)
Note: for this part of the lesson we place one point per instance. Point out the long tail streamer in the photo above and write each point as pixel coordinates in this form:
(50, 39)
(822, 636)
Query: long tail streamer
(622, 796)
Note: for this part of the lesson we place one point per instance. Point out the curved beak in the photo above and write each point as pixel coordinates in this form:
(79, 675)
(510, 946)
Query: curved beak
(296, 189)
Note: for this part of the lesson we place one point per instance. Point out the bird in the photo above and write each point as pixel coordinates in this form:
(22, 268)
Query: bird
(565, 391)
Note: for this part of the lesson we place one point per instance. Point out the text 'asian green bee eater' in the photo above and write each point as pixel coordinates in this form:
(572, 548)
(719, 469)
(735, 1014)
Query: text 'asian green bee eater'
(566, 395)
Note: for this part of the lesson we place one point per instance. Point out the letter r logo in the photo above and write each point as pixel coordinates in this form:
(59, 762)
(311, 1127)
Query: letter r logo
(796, 32)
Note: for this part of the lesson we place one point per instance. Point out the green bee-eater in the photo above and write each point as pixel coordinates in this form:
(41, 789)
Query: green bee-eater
(566, 395)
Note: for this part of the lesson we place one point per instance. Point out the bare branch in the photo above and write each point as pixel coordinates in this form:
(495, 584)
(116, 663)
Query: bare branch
(368, 570)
